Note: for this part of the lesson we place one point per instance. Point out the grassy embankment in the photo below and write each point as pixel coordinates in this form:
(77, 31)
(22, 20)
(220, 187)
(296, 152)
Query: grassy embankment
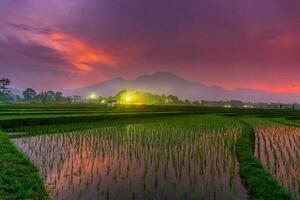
(19, 179)
(288, 121)
(259, 183)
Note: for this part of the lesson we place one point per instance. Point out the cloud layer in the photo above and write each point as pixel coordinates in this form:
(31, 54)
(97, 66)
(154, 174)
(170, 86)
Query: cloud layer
(71, 43)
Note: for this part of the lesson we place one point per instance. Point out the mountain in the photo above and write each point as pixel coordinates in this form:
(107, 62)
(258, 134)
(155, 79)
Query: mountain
(168, 83)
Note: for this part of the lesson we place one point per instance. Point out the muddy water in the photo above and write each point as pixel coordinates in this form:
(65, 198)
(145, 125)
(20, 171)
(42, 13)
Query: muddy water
(119, 163)
(279, 150)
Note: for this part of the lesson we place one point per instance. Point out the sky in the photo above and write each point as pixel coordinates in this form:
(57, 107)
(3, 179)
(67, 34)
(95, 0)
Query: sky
(58, 44)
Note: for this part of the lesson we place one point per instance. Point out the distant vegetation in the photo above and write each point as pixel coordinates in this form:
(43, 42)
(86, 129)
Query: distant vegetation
(4, 96)
(138, 97)
(123, 97)
(44, 97)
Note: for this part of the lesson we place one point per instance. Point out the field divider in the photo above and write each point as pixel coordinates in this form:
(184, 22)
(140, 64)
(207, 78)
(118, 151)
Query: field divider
(19, 122)
(260, 184)
(285, 122)
(19, 179)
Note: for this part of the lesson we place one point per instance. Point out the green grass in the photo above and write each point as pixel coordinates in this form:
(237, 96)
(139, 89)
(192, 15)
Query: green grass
(19, 179)
(286, 121)
(37, 120)
(22, 131)
(21, 109)
(260, 184)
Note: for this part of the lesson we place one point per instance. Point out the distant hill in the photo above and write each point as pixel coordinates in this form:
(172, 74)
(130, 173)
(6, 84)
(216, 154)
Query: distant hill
(168, 83)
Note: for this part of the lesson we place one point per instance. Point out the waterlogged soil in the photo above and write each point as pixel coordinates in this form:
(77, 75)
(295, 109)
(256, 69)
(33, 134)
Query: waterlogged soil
(138, 161)
(278, 148)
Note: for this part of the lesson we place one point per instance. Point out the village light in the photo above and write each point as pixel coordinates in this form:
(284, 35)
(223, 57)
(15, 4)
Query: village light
(128, 98)
(103, 101)
(92, 96)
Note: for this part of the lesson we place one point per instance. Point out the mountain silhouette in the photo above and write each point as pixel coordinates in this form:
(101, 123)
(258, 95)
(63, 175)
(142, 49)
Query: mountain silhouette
(168, 83)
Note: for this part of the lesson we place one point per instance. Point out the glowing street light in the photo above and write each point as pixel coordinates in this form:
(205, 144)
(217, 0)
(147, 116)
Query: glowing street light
(93, 96)
(128, 98)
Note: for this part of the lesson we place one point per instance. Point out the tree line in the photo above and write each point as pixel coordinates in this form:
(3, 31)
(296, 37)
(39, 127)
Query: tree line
(4, 90)
(139, 97)
(123, 97)
(30, 95)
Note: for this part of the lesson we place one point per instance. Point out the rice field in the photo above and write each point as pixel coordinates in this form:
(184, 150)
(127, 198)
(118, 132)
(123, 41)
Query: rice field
(178, 157)
(278, 148)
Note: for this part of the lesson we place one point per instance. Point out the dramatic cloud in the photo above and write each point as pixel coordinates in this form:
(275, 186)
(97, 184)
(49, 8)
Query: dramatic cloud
(77, 53)
(233, 44)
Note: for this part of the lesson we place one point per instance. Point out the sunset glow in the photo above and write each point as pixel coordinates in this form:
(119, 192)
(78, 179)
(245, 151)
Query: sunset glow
(82, 56)
(251, 45)
(149, 99)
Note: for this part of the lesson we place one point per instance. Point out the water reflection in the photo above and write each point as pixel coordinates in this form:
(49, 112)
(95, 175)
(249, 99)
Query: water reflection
(278, 148)
(138, 162)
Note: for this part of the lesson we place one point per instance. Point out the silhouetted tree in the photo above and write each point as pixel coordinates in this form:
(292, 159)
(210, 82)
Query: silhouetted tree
(29, 94)
(58, 96)
(187, 102)
(4, 83)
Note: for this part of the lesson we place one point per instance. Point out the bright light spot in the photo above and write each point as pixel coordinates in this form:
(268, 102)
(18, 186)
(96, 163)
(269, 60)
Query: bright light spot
(248, 106)
(103, 101)
(93, 96)
(227, 106)
(128, 98)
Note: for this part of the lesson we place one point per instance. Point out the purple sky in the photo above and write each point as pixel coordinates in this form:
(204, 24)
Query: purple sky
(55, 44)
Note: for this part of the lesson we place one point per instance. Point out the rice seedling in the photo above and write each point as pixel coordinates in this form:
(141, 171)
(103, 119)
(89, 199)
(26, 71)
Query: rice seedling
(178, 157)
(280, 154)
(278, 148)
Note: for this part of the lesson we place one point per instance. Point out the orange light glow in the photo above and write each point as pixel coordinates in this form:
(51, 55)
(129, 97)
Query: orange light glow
(55, 37)
(82, 56)
(285, 87)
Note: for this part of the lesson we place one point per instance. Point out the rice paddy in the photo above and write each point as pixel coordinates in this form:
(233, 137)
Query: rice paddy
(278, 148)
(85, 153)
(178, 157)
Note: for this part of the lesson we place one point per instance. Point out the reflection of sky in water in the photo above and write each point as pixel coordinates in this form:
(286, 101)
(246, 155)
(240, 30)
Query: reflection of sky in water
(278, 148)
(118, 163)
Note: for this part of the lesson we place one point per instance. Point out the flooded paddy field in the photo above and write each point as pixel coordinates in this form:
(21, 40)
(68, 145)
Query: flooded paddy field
(183, 157)
(278, 148)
